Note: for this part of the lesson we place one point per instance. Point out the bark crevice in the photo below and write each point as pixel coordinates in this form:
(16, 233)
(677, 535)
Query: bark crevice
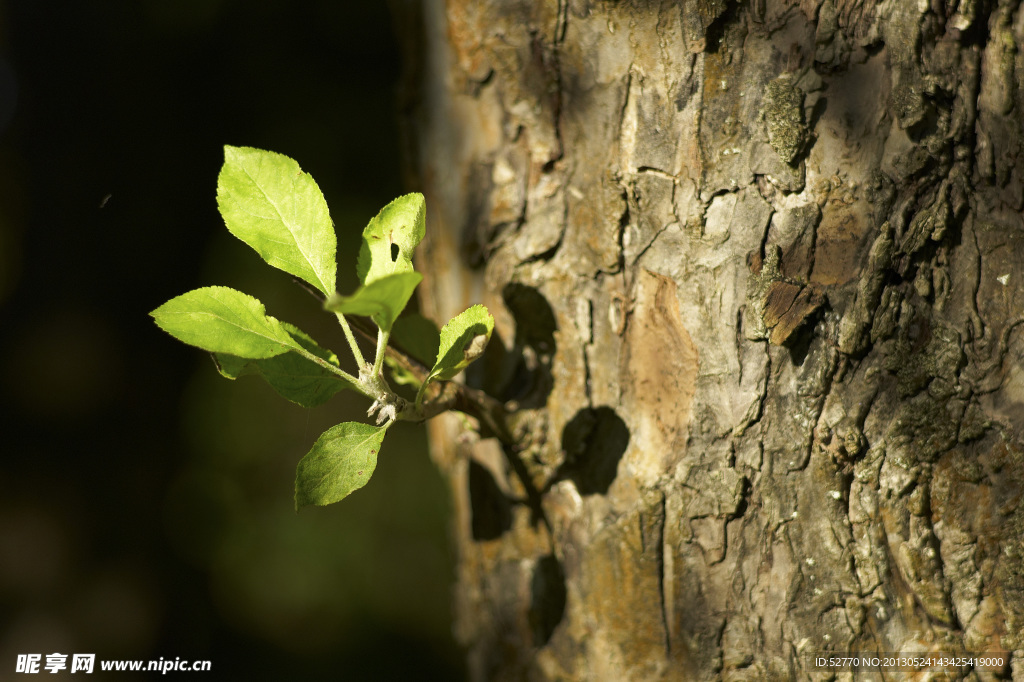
(774, 407)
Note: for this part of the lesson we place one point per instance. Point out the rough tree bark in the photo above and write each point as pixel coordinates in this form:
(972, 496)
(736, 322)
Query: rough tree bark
(758, 274)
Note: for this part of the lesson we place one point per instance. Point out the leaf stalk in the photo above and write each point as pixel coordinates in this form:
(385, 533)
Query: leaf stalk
(356, 353)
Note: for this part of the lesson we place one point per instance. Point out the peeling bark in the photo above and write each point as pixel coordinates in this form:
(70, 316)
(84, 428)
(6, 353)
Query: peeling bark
(756, 272)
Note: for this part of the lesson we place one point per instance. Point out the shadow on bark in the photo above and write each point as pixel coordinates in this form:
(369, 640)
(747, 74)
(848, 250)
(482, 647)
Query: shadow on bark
(547, 599)
(594, 441)
(522, 375)
(530, 381)
(492, 510)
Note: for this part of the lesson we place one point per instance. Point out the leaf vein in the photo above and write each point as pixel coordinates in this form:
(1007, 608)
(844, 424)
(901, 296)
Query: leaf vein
(304, 248)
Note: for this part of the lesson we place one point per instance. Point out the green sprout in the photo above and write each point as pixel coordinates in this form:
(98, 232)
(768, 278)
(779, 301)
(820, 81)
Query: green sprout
(269, 203)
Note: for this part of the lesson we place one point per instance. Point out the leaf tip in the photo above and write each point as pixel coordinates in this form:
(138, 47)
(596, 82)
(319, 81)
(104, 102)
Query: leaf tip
(231, 153)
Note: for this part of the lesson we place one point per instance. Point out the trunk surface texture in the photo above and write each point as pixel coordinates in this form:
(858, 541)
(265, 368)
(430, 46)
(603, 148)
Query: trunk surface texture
(757, 269)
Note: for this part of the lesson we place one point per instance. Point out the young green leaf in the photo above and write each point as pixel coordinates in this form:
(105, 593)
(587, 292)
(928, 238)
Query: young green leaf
(417, 336)
(400, 376)
(463, 340)
(222, 320)
(271, 205)
(381, 299)
(341, 461)
(390, 239)
(294, 377)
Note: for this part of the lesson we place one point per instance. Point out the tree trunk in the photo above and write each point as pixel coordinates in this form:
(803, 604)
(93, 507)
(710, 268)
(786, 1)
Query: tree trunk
(758, 274)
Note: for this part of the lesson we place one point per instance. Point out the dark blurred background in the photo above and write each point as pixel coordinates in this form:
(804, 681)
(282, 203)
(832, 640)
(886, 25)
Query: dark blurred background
(145, 503)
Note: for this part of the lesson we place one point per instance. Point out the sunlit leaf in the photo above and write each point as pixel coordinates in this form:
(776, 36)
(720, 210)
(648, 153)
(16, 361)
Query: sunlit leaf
(390, 239)
(222, 320)
(381, 299)
(269, 203)
(463, 340)
(341, 461)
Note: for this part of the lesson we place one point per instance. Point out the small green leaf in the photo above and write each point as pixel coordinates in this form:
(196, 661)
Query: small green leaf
(341, 461)
(222, 320)
(417, 336)
(400, 376)
(271, 205)
(390, 239)
(294, 377)
(382, 299)
(463, 340)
